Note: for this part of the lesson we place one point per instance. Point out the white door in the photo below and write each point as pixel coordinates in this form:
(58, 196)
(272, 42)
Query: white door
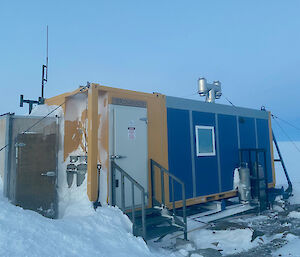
(128, 142)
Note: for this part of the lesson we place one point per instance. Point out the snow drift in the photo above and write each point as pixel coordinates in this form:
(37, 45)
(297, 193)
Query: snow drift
(105, 232)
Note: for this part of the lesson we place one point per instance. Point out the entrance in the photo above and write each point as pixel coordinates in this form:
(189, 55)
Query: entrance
(36, 173)
(128, 148)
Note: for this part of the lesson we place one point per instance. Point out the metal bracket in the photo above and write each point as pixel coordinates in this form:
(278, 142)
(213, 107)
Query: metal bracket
(49, 174)
(144, 119)
(112, 157)
(20, 144)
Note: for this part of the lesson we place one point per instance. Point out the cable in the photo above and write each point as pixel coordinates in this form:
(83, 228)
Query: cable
(80, 91)
(287, 135)
(43, 118)
(229, 101)
(287, 122)
(35, 124)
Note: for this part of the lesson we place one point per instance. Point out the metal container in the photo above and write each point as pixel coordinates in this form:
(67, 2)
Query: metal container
(259, 186)
(244, 188)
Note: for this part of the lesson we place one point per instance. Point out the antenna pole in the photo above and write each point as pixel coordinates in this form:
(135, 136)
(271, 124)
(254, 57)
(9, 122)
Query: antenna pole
(47, 56)
(45, 70)
(41, 99)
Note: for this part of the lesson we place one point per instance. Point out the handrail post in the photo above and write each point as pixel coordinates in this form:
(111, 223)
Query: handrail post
(122, 192)
(173, 196)
(163, 171)
(152, 182)
(133, 205)
(258, 180)
(162, 187)
(134, 183)
(113, 185)
(184, 212)
(143, 213)
(266, 179)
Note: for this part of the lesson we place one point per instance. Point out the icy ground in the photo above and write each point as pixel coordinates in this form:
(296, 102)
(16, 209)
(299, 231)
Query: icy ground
(107, 232)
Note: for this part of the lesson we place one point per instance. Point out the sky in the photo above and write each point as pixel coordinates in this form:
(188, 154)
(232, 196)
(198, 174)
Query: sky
(252, 47)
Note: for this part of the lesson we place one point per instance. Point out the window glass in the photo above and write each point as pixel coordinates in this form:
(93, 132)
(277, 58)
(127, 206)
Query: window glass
(205, 140)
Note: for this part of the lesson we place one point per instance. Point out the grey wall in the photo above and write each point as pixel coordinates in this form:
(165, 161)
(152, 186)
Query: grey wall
(2, 143)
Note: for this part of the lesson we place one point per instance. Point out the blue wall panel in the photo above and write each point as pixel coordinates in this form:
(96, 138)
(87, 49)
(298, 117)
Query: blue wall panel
(179, 149)
(264, 142)
(229, 154)
(206, 167)
(247, 132)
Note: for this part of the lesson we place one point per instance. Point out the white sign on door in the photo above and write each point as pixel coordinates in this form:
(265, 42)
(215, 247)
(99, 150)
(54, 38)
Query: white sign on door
(131, 133)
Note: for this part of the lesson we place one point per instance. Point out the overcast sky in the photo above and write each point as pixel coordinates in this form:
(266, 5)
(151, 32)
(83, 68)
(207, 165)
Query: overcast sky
(252, 47)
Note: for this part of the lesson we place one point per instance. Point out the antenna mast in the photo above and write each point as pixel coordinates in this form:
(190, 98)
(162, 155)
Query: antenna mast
(41, 99)
(45, 71)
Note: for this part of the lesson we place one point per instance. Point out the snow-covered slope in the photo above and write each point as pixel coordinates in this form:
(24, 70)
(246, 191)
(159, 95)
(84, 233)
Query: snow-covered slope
(291, 157)
(106, 232)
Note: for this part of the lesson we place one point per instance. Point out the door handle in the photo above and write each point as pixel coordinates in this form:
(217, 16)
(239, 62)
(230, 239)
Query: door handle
(112, 157)
(49, 174)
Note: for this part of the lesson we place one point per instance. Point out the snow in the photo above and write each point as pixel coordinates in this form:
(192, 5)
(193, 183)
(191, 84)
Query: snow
(43, 110)
(294, 214)
(105, 232)
(183, 252)
(291, 248)
(236, 178)
(73, 201)
(291, 158)
(228, 241)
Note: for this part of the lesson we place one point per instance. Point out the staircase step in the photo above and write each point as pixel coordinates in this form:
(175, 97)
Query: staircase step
(154, 220)
(156, 232)
(148, 212)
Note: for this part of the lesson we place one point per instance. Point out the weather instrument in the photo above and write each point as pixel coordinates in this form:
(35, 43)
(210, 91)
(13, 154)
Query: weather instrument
(211, 91)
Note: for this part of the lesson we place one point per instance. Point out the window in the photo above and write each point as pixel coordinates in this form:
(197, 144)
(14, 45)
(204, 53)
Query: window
(205, 141)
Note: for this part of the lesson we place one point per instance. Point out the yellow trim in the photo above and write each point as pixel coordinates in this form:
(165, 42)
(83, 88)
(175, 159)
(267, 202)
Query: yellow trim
(93, 123)
(272, 151)
(56, 99)
(157, 131)
(205, 199)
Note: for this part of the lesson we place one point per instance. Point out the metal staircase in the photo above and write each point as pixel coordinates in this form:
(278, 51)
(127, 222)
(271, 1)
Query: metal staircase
(157, 221)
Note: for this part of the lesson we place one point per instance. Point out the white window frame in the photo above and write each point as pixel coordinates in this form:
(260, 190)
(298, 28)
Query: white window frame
(213, 140)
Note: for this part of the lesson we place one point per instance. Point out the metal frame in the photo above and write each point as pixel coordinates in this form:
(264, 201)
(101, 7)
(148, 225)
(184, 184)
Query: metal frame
(155, 202)
(289, 190)
(8, 142)
(257, 179)
(134, 183)
(213, 138)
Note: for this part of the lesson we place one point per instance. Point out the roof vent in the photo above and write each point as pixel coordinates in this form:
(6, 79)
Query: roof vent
(211, 91)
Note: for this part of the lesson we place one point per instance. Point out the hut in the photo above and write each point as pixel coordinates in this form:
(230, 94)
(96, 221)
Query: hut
(135, 150)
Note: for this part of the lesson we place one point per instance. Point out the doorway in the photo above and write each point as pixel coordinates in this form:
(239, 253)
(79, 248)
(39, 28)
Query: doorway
(129, 149)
